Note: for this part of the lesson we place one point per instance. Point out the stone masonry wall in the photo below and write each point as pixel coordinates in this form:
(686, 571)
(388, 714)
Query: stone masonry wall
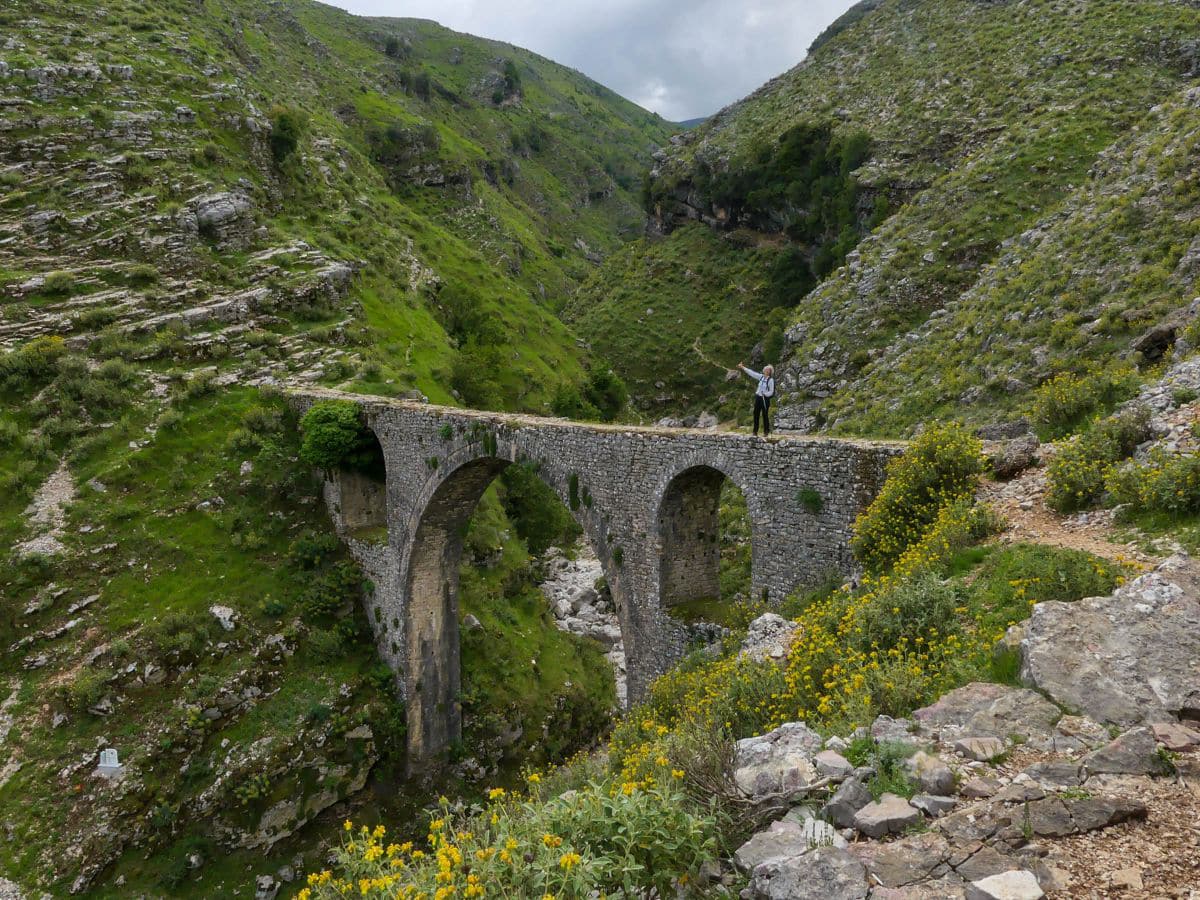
(631, 489)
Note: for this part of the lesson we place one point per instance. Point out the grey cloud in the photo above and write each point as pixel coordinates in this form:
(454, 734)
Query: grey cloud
(682, 60)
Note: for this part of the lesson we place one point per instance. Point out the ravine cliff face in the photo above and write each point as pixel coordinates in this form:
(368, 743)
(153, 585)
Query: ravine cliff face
(1027, 160)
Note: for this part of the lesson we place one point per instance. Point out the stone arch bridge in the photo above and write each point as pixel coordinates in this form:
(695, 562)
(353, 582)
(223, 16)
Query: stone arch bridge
(646, 498)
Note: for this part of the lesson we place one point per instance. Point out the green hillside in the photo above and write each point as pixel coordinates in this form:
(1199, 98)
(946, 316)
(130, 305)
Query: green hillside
(198, 203)
(1022, 172)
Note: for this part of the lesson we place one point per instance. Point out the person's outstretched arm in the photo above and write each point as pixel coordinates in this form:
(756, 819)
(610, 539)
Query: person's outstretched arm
(755, 375)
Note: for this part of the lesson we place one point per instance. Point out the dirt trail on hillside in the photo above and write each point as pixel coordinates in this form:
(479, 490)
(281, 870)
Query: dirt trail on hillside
(1022, 503)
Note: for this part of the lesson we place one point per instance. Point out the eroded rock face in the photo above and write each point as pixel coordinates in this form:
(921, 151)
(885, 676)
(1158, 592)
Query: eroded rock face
(769, 637)
(777, 762)
(1131, 658)
(990, 710)
(785, 839)
(888, 815)
(828, 873)
(225, 218)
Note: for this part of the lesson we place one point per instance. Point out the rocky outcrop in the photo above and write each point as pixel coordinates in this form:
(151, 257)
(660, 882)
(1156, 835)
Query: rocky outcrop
(769, 637)
(779, 762)
(226, 219)
(980, 709)
(1128, 659)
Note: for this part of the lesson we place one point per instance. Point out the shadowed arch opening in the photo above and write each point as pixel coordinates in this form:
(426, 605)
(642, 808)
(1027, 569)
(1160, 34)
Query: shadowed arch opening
(704, 527)
(509, 664)
(362, 490)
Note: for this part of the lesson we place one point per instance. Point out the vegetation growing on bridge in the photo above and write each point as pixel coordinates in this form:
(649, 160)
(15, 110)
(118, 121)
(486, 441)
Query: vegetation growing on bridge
(337, 437)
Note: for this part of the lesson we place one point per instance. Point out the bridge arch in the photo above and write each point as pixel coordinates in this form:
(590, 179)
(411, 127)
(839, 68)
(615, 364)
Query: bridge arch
(688, 528)
(430, 583)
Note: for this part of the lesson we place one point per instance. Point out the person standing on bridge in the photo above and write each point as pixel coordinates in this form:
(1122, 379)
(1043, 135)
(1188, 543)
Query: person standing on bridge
(762, 396)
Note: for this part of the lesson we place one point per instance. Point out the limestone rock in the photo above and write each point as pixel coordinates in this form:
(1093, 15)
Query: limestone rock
(225, 615)
(1129, 658)
(931, 774)
(769, 637)
(979, 788)
(990, 710)
(890, 814)
(941, 889)
(828, 873)
(981, 749)
(904, 861)
(785, 839)
(1056, 773)
(845, 803)
(896, 731)
(225, 218)
(1175, 737)
(1015, 456)
(831, 764)
(1129, 879)
(1017, 884)
(1133, 753)
(777, 762)
(933, 805)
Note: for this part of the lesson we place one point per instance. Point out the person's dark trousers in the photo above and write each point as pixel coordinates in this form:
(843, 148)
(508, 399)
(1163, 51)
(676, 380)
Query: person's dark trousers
(762, 406)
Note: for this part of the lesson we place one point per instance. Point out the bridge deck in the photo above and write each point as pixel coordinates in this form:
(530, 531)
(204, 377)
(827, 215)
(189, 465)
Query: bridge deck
(528, 420)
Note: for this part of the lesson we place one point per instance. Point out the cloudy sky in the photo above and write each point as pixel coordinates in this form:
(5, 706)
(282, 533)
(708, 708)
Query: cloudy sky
(680, 58)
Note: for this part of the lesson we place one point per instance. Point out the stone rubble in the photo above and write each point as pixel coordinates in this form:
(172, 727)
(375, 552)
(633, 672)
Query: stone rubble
(570, 587)
(47, 514)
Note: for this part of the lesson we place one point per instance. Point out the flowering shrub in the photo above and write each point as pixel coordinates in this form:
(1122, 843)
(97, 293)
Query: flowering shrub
(606, 837)
(940, 468)
(1165, 482)
(1068, 400)
(1076, 475)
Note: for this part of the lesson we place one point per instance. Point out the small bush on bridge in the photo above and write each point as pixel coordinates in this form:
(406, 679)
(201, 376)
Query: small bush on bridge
(941, 468)
(336, 438)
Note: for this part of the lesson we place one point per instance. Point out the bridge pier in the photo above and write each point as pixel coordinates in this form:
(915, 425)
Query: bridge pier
(646, 499)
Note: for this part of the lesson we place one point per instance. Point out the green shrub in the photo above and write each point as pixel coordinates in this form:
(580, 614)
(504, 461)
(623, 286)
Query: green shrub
(539, 517)
(83, 691)
(940, 468)
(1183, 396)
(32, 363)
(906, 613)
(1069, 400)
(287, 128)
(141, 275)
(604, 838)
(1076, 474)
(811, 500)
(311, 550)
(326, 644)
(335, 437)
(182, 634)
(473, 374)
(59, 284)
(93, 319)
(1165, 482)
(328, 592)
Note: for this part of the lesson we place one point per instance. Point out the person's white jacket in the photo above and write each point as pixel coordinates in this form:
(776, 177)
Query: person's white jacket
(766, 383)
